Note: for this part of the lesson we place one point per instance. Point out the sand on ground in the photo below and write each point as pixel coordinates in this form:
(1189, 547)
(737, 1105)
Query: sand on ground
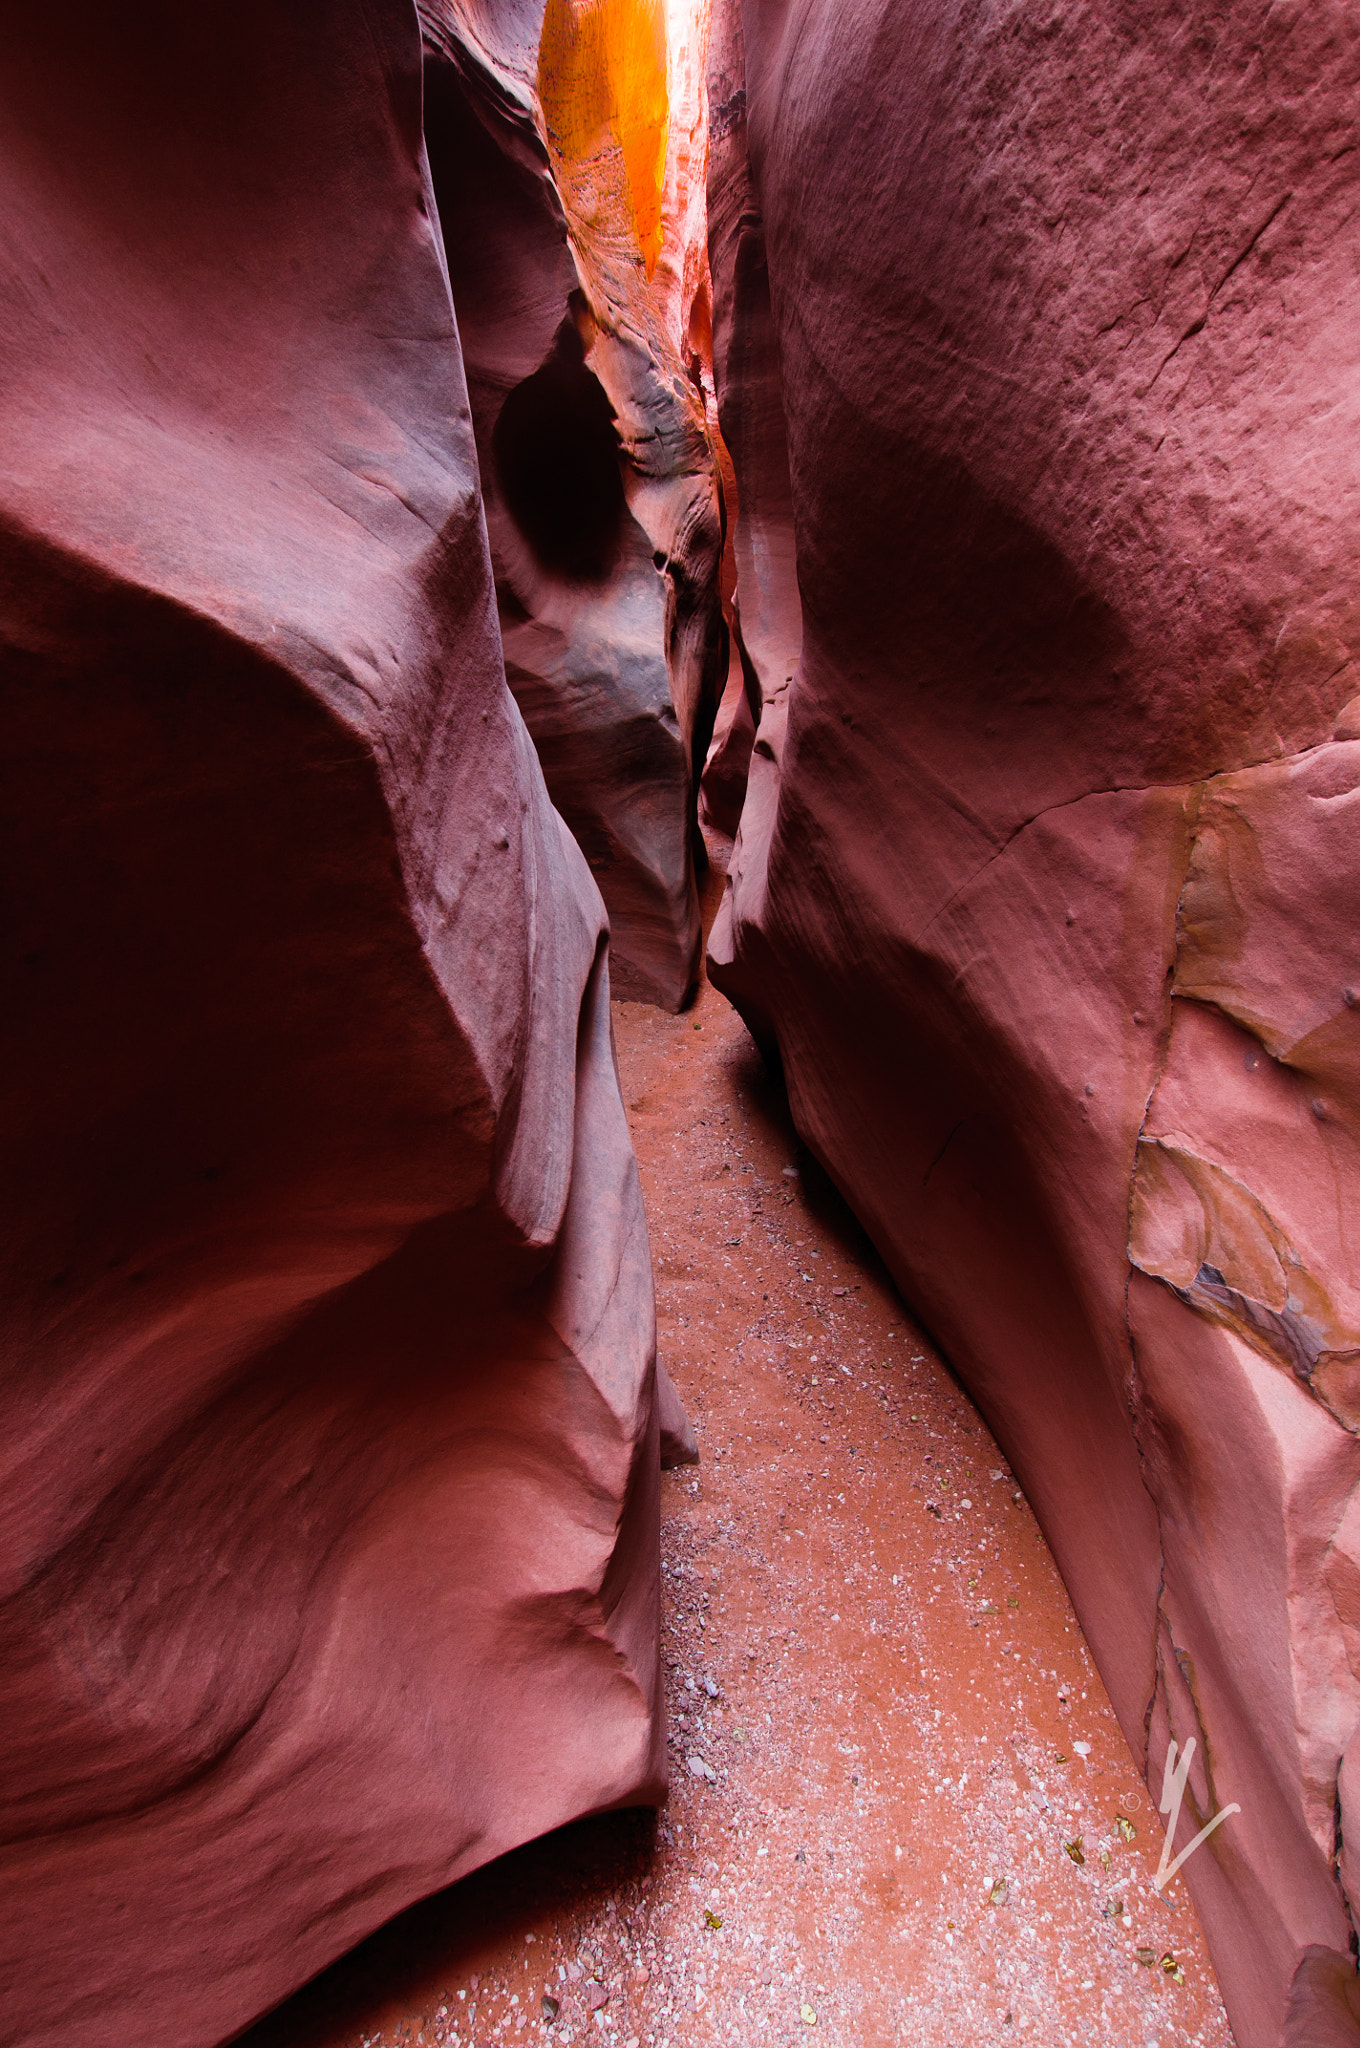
(901, 1810)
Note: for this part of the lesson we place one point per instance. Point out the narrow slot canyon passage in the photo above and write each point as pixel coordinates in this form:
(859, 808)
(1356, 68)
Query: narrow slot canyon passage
(885, 1727)
(465, 459)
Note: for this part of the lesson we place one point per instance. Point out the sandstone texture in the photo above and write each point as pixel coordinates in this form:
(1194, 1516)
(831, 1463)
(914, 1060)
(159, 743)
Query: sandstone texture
(764, 606)
(566, 148)
(1038, 329)
(330, 1432)
(862, 1652)
(727, 770)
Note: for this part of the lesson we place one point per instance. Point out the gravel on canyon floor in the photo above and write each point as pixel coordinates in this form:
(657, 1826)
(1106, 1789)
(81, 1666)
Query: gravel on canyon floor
(901, 1809)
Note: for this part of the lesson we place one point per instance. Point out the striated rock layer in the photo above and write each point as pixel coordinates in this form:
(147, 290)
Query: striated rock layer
(566, 150)
(330, 1436)
(1046, 880)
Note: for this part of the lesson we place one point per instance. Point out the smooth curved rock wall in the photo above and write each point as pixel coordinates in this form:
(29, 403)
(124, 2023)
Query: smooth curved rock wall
(330, 1444)
(1044, 888)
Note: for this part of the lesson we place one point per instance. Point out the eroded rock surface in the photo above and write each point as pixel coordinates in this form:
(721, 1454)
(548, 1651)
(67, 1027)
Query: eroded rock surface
(1046, 877)
(566, 149)
(767, 625)
(330, 1444)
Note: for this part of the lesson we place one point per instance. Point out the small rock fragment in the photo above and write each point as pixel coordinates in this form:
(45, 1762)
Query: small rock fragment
(807, 2016)
(551, 2008)
(1074, 1850)
(1125, 1827)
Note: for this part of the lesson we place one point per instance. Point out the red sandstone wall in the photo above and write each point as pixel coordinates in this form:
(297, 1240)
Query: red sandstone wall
(1044, 885)
(567, 162)
(329, 1493)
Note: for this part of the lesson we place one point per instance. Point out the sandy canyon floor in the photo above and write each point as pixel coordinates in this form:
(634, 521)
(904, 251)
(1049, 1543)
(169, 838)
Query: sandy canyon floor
(901, 1810)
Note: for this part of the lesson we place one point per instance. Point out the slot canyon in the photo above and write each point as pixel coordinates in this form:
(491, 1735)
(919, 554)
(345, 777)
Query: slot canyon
(681, 785)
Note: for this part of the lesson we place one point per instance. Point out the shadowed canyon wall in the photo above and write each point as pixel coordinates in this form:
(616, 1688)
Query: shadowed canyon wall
(330, 1430)
(1038, 329)
(566, 151)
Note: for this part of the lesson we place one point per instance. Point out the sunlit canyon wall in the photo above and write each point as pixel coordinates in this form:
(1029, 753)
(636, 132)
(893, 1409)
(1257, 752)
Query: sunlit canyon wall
(567, 156)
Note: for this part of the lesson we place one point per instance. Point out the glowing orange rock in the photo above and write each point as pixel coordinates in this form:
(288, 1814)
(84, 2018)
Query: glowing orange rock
(602, 87)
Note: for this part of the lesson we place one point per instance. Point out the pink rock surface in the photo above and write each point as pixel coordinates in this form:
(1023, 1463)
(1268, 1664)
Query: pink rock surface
(767, 627)
(330, 1443)
(727, 771)
(604, 523)
(1045, 881)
